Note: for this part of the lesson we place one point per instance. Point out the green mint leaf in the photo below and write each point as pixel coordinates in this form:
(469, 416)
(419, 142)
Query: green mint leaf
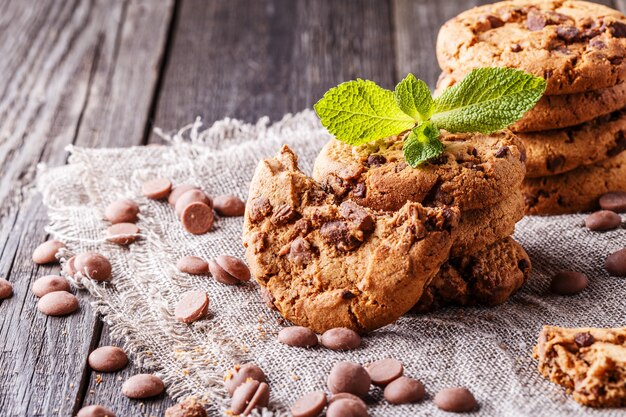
(357, 112)
(422, 144)
(487, 100)
(413, 97)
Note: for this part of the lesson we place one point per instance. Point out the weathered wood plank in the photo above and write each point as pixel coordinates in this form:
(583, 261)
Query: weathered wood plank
(75, 74)
(269, 57)
(417, 24)
(106, 389)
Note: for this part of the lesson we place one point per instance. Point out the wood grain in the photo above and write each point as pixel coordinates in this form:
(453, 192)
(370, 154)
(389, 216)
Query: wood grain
(72, 76)
(289, 54)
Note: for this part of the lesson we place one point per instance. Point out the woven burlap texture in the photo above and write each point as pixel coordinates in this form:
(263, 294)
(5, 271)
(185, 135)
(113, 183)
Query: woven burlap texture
(485, 349)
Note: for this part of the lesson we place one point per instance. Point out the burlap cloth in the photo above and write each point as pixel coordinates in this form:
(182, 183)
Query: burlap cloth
(485, 349)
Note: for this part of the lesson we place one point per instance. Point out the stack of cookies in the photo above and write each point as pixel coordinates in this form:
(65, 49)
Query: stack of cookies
(480, 174)
(575, 136)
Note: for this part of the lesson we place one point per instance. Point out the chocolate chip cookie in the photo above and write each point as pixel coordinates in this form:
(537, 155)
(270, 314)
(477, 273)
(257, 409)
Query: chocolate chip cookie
(589, 362)
(556, 112)
(558, 151)
(483, 227)
(575, 191)
(475, 171)
(327, 265)
(488, 277)
(576, 46)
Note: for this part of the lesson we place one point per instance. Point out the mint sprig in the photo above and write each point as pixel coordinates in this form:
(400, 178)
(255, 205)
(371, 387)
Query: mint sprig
(485, 101)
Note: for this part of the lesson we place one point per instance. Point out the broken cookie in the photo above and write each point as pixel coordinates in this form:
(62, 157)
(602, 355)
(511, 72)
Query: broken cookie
(589, 362)
(328, 265)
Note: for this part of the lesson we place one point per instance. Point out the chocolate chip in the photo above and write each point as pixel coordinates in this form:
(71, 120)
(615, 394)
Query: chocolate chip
(338, 233)
(298, 336)
(336, 185)
(384, 371)
(156, 189)
(401, 166)
(584, 339)
(618, 29)
(248, 396)
(240, 374)
(309, 405)
(191, 196)
(404, 391)
(360, 191)
(268, 298)
(6, 289)
(494, 21)
(567, 33)
(48, 284)
(603, 220)
(516, 47)
(220, 275)
(616, 60)
(568, 283)
(456, 400)
(192, 306)
(345, 396)
(193, 265)
(58, 303)
(300, 251)
(122, 211)
(95, 411)
(46, 252)
(190, 407)
(376, 160)
(260, 208)
(359, 216)
(197, 218)
(597, 44)
(347, 295)
(523, 265)
(555, 162)
(502, 152)
(349, 377)
(615, 201)
(69, 268)
(143, 386)
(93, 265)
(522, 155)
(122, 234)
(229, 205)
(615, 264)
(346, 407)
(341, 338)
(535, 21)
(620, 145)
(283, 215)
(107, 359)
(235, 267)
(178, 191)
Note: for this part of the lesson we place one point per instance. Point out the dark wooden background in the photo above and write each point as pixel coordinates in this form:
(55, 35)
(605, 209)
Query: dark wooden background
(103, 72)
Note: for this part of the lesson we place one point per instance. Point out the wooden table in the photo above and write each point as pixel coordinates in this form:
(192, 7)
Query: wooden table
(102, 73)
